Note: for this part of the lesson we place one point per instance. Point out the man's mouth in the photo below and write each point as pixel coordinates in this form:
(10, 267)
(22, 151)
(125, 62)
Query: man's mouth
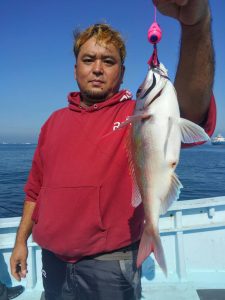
(97, 82)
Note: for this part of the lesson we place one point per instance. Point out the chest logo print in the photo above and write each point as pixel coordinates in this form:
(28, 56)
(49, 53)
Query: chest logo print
(116, 125)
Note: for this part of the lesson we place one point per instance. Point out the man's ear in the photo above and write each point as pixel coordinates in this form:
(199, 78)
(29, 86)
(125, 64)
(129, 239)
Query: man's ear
(122, 72)
(75, 71)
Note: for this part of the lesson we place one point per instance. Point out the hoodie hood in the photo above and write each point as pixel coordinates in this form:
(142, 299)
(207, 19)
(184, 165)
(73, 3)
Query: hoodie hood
(74, 100)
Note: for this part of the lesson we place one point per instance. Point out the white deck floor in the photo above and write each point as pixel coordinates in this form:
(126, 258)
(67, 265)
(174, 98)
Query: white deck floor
(158, 292)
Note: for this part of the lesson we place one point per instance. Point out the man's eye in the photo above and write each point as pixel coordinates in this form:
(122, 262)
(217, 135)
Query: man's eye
(109, 62)
(87, 60)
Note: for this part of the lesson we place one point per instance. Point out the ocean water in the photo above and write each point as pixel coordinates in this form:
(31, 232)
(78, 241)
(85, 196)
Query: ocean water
(201, 170)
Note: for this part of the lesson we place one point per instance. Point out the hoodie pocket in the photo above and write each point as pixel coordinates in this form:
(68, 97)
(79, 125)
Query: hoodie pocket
(68, 220)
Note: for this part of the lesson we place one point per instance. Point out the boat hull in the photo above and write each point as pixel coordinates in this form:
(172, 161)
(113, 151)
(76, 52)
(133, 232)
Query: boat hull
(218, 143)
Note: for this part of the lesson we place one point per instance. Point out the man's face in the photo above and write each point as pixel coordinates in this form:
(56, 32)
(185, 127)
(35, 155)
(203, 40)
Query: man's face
(98, 71)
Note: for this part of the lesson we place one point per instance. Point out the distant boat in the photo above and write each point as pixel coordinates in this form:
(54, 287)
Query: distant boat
(218, 140)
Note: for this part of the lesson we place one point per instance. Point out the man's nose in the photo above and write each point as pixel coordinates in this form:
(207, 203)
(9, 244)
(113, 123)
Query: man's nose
(98, 67)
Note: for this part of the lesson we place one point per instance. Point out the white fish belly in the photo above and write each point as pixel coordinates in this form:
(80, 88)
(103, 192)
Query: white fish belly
(155, 157)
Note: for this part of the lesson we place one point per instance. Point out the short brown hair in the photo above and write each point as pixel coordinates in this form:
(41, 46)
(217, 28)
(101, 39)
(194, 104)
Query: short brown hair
(104, 34)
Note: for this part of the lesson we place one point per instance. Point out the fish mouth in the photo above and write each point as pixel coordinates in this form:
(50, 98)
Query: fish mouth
(153, 99)
(148, 90)
(161, 73)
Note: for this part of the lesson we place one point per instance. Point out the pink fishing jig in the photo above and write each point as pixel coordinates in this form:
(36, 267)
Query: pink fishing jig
(154, 33)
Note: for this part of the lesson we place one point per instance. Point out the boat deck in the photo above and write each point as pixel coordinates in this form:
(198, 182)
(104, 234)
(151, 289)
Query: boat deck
(177, 292)
(211, 294)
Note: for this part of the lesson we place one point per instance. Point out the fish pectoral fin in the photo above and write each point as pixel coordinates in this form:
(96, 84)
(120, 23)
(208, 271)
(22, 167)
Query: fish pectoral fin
(191, 132)
(172, 195)
(136, 196)
(134, 118)
(151, 243)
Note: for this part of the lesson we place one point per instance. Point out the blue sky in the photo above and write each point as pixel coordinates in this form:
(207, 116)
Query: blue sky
(37, 63)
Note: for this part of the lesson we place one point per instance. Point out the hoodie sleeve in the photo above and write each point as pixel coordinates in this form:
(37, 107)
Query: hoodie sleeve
(35, 177)
(209, 123)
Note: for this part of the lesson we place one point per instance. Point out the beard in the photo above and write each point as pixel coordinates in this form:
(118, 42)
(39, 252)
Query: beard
(95, 96)
(92, 96)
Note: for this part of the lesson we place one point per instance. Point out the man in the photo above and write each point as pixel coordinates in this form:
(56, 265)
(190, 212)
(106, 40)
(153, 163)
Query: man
(7, 293)
(79, 189)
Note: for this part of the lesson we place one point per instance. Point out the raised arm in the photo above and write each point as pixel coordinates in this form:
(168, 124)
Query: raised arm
(195, 72)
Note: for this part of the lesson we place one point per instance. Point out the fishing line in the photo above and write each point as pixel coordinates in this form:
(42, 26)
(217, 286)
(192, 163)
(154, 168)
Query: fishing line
(154, 37)
(155, 12)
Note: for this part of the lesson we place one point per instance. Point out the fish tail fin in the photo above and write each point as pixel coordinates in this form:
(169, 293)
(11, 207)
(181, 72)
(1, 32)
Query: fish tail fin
(151, 243)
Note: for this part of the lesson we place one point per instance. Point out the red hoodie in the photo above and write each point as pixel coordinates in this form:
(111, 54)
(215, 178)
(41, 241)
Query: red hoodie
(80, 179)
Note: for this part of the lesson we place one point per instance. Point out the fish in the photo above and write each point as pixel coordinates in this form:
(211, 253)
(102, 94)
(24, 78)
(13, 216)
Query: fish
(154, 143)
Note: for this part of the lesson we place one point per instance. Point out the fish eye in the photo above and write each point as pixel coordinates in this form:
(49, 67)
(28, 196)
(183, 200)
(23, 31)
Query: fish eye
(138, 92)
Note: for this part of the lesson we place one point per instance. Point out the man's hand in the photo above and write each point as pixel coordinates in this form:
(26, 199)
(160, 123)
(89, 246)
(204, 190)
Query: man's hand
(196, 53)
(18, 261)
(188, 12)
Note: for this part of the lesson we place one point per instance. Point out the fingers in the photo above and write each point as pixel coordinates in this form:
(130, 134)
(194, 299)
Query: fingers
(167, 7)
(18, 262)
(178, 2)
(159, 2)
(23, 269)
(15, 267)
(18, 269)
(181, 2)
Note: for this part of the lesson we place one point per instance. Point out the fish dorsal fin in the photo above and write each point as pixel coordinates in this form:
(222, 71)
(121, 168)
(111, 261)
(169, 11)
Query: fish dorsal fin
(191, 132)
(136, 196)
(172, 195)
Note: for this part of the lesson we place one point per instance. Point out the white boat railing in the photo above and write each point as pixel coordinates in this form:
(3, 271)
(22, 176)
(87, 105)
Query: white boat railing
(193, 237)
